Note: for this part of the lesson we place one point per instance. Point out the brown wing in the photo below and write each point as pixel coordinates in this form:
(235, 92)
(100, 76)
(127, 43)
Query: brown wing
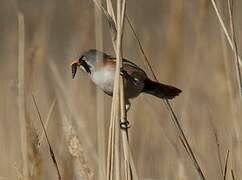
(130, 67)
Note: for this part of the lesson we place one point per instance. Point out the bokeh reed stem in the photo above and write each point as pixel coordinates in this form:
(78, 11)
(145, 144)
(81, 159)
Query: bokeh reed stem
(21, 94)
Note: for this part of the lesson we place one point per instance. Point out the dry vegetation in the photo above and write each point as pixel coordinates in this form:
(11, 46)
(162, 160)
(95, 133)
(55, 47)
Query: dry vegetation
(52, 124)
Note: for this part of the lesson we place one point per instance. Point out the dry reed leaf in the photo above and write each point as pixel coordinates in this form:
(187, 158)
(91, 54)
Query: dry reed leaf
(236, 55)
(226, 166)
(50, 111)
(52, 154)
(232, 174)
(221, 21)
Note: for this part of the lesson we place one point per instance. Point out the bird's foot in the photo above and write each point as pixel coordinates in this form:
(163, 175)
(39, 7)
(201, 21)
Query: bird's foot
(124, 125)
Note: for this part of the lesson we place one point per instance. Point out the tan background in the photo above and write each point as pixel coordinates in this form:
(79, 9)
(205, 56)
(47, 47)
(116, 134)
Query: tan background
(184, 42)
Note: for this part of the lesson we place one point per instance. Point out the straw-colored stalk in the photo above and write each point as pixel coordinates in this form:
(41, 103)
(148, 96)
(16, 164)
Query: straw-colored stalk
(21, 98)
(118, 105)
(52, 154)
(100, 102)
(239, 81)
(50, 112)
(221, 21)
(232, 174)
(236, 56)
(232, 44)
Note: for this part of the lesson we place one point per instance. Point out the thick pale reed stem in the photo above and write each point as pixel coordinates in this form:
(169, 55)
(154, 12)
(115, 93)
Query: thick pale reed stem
(21, 96)
(118, 105)
(100, 102)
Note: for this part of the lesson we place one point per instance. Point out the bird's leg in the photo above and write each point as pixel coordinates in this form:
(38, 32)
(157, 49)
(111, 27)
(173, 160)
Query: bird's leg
(127, 105)
(124, 122)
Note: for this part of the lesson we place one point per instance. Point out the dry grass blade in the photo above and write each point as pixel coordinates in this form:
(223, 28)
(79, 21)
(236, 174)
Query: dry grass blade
(192, 157)
(21, 96)
(52, 154)
(141, 48)
(218, 150)
(184, 138)
(111, 11)
(232, 174)
(226, 165)
(221, 21)
(238, 72)
(172, 114)
(214, 130)
(47, 120)
(109, 18)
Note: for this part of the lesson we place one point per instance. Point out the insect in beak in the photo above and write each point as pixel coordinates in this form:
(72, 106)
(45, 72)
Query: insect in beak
(74, 66)
(78, 63)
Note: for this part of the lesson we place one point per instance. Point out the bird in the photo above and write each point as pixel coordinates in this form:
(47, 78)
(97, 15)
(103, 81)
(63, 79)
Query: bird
(101, 68)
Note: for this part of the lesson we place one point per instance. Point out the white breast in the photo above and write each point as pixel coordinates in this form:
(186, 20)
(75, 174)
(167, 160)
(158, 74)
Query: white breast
(104, 78)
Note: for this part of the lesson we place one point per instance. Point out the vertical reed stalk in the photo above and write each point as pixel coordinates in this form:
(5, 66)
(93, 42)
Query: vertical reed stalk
(100, 102)
(173, 116)
(221, 21)
(118, 105)
(21, 96)
(232, 29)
(232, 45)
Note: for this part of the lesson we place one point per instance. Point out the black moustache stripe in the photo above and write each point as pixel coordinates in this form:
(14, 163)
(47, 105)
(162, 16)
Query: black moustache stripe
(86, 67)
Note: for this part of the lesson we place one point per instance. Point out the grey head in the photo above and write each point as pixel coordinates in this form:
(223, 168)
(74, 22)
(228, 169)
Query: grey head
(88, 61)
(92, 57)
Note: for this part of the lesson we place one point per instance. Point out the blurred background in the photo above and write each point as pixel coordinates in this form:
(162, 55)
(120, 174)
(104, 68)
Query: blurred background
(187, 48)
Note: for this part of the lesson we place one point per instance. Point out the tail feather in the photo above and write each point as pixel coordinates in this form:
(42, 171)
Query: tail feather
(160, 90)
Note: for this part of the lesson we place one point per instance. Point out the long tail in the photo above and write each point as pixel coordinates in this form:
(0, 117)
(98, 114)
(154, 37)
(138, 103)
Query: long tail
(160, 90)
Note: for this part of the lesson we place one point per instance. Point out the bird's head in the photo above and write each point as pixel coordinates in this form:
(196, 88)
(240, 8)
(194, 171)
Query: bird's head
(87, 61)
